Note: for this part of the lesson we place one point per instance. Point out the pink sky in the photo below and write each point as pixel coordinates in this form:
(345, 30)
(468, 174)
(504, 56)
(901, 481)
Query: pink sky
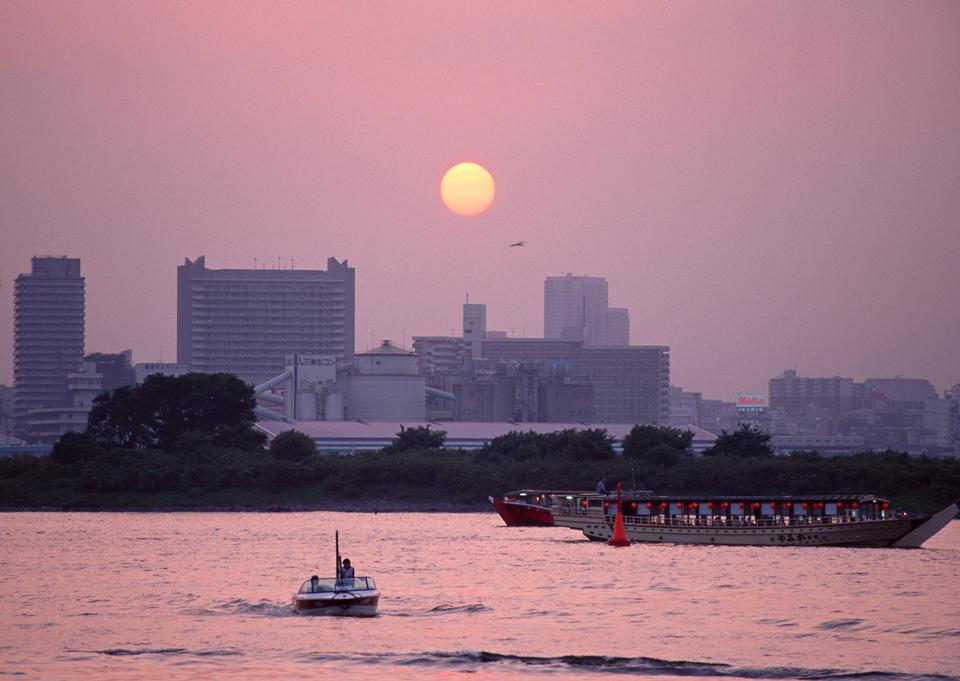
(764, 184)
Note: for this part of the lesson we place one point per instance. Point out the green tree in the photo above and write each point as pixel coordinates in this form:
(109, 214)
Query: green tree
(171, 412)
(420, 437)
(661, 445)
(292, 445)
(747, 442)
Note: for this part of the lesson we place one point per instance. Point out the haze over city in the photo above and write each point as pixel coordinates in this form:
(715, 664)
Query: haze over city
(763, 185)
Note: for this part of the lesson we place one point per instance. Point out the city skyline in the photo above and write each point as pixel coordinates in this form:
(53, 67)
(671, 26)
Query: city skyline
(795, 210)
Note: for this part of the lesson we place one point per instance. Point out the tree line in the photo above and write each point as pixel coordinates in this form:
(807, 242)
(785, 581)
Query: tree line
(191, 441)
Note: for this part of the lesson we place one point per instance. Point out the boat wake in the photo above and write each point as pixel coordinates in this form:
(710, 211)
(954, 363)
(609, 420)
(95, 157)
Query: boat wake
(241, 606)
(640, 666)
(445, 608)
(122, 652)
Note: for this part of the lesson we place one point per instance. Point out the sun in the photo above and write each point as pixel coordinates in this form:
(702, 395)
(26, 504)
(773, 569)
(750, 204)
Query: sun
(467, 189)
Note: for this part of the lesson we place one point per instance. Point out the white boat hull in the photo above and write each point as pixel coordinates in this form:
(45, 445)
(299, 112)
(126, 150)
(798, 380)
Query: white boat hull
(898, 532)
(341, 603)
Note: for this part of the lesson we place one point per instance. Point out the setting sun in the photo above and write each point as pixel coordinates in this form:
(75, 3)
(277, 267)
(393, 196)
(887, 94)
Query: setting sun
(467, 189)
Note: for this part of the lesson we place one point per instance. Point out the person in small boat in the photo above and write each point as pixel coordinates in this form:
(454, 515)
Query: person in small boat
(314, 583)
(346, 572)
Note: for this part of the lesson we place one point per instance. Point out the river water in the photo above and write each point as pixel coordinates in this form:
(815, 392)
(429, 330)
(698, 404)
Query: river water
(207, 595)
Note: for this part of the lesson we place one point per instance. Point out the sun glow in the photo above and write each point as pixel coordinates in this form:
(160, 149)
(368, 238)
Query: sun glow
(467, 189)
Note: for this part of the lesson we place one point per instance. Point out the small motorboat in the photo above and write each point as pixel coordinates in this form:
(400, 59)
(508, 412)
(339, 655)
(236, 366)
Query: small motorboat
(343, 595)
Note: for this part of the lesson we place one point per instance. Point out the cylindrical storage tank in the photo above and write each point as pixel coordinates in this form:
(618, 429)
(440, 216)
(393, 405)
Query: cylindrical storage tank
(387, 398)
(307, 407)
(333, 407)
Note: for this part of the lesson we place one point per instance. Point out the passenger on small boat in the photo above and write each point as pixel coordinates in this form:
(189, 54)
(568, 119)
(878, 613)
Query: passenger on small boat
(345, 573)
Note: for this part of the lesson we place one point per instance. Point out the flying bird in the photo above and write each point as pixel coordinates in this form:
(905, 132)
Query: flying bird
(519, 243)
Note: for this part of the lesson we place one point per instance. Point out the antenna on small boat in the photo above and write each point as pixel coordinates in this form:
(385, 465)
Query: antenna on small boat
(337, 535)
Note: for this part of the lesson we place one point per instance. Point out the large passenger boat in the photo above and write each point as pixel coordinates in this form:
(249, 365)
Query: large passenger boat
(844, 520)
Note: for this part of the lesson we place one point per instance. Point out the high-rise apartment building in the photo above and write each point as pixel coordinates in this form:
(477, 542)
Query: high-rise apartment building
(246, 321)
(48, 323)
(576, 308)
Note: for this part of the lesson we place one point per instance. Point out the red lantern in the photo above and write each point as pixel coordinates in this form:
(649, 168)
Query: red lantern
(649, 505)
(855, 504)
(805, 505)
(885, 506)
(692, 505)
(755, 505)
(633, 505)
(710, 505)
(663, 505)
(724, 504)
(680, 504)
(773, 505)
(840, 504)
(741, 505)
(606, 504)
(583, 502)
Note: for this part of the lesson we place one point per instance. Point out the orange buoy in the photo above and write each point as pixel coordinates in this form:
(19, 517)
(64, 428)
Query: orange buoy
(619, 537)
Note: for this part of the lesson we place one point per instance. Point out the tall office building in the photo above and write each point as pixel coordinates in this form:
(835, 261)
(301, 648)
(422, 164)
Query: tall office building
(577, 309)
(246, 321)
(48, 330)
(474, 330)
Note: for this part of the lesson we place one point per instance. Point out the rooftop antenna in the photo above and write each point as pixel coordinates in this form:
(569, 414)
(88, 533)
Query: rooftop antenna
(291, 263)
(254, 263)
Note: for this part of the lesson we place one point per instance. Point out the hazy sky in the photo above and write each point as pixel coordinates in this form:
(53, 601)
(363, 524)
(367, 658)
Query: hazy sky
(764, 184)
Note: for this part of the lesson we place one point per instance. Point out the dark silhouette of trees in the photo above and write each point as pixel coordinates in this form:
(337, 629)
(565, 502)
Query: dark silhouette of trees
(420, 437)
(588, 444)
(292, 445)
(73, 448)
(747, 442)
(177, 412)
(660, 445)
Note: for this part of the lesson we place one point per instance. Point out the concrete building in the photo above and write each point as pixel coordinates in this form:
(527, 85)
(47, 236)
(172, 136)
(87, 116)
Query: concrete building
(474, 331)
(48, 333)
(630, 384)
(577, 308)
(438, 355)
(246, 321)
(615, 329)
(6, 414)
(685, 408)
(385, 385)
(46, 425)
(115, 367)
(792, 393)
(143, 369)
(574, 307)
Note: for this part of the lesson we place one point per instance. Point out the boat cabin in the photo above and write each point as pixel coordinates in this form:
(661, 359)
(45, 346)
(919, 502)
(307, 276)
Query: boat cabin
(733, 510)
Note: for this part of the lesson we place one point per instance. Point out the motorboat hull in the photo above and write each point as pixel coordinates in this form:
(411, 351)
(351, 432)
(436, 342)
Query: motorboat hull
(339, 604)
(520, 514)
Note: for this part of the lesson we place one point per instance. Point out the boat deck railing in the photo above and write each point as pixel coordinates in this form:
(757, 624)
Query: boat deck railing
(317, 586)
(734, 521)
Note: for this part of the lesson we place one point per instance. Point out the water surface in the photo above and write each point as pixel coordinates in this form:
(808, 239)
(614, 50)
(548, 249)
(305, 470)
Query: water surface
(199, 595)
